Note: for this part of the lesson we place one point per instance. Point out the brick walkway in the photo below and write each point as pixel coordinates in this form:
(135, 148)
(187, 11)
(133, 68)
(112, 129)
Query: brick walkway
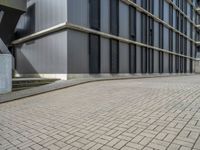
(159, 113)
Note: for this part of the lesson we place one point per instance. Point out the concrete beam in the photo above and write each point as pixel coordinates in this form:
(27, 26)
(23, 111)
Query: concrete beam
(14, 4)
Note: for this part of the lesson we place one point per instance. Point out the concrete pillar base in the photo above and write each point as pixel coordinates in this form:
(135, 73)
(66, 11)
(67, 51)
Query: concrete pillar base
(5, 73)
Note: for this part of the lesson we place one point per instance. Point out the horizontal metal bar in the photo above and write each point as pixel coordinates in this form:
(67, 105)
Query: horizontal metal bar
(198, 9)
(139, 8)
(70, 26)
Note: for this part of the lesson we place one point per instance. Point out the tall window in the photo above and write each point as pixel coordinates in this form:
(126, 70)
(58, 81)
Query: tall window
(161, 54)
(177, 20)
(181, 23)
(94, 40)
(185, 26)
(191, 55)
(185, 6)
(94, 54)
(150, 53)
(151, 6)
(191, 12)
(161, 28)
(185, 53)
(114, 29)
(144, 40)
(177, 51)
(161, 9)
(171, 38)
(114, 17)
(144, 4)
(181, 51)
(171, 49)
(95, 14)
(177, 3)
(132, 47)
(191, 30)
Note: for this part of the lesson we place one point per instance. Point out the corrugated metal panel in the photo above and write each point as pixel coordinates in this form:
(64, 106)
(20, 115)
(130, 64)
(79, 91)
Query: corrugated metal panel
(78, 52)
(123, 20)
(47, 55)
(42, 14)
(105, 16)
(78, 12)
(105, 55)
(123, 58)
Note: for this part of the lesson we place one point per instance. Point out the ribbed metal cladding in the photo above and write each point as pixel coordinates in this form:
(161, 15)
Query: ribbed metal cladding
(161, 24)
(47, 55)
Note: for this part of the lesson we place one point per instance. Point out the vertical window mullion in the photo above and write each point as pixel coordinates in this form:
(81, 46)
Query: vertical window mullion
(94, 40)
(132, 47)
(114, 29)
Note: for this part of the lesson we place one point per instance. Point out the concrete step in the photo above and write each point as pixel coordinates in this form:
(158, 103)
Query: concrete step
(27, 83)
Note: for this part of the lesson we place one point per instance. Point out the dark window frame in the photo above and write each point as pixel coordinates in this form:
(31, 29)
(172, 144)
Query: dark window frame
(94, 54)
(95, 14)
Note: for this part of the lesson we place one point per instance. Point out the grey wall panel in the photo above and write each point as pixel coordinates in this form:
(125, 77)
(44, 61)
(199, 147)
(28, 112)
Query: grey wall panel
(166, 63)
(188, 47)
(123, 58)
(105, 16)
(78, 53)
(174, 18)
(166, 11)
(188, 28)
(156, 63)
(194, 34)
(138, 26)
(156, 34)
(174, 64)
(138, 2)
(188, 9)
(194, 50)
(105, 55)
(78, 12)
(44, 56)
(188, 65)
(174, 41)
(46, 13)
(123, 20)
(156, 5)
(138, 59)
(166, 38)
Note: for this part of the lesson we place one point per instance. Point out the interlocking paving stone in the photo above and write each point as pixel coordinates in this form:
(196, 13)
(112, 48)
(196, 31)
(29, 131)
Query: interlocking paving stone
(149, 113)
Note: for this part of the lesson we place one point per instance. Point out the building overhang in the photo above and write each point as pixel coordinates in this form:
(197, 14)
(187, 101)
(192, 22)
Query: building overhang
(19, 5)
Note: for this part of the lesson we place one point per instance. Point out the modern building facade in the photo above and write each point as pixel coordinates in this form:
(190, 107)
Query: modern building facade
(65, 38)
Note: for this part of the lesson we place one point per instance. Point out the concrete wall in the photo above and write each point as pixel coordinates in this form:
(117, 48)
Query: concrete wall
(5, 73)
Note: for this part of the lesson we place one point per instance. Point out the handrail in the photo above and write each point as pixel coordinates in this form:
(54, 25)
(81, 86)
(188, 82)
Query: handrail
(70, 26)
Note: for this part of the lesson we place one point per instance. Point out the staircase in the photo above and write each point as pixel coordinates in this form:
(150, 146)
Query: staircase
(10, 12)
(27, 83)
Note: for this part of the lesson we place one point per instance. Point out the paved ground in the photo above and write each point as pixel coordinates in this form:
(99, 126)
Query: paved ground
(160, 113)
